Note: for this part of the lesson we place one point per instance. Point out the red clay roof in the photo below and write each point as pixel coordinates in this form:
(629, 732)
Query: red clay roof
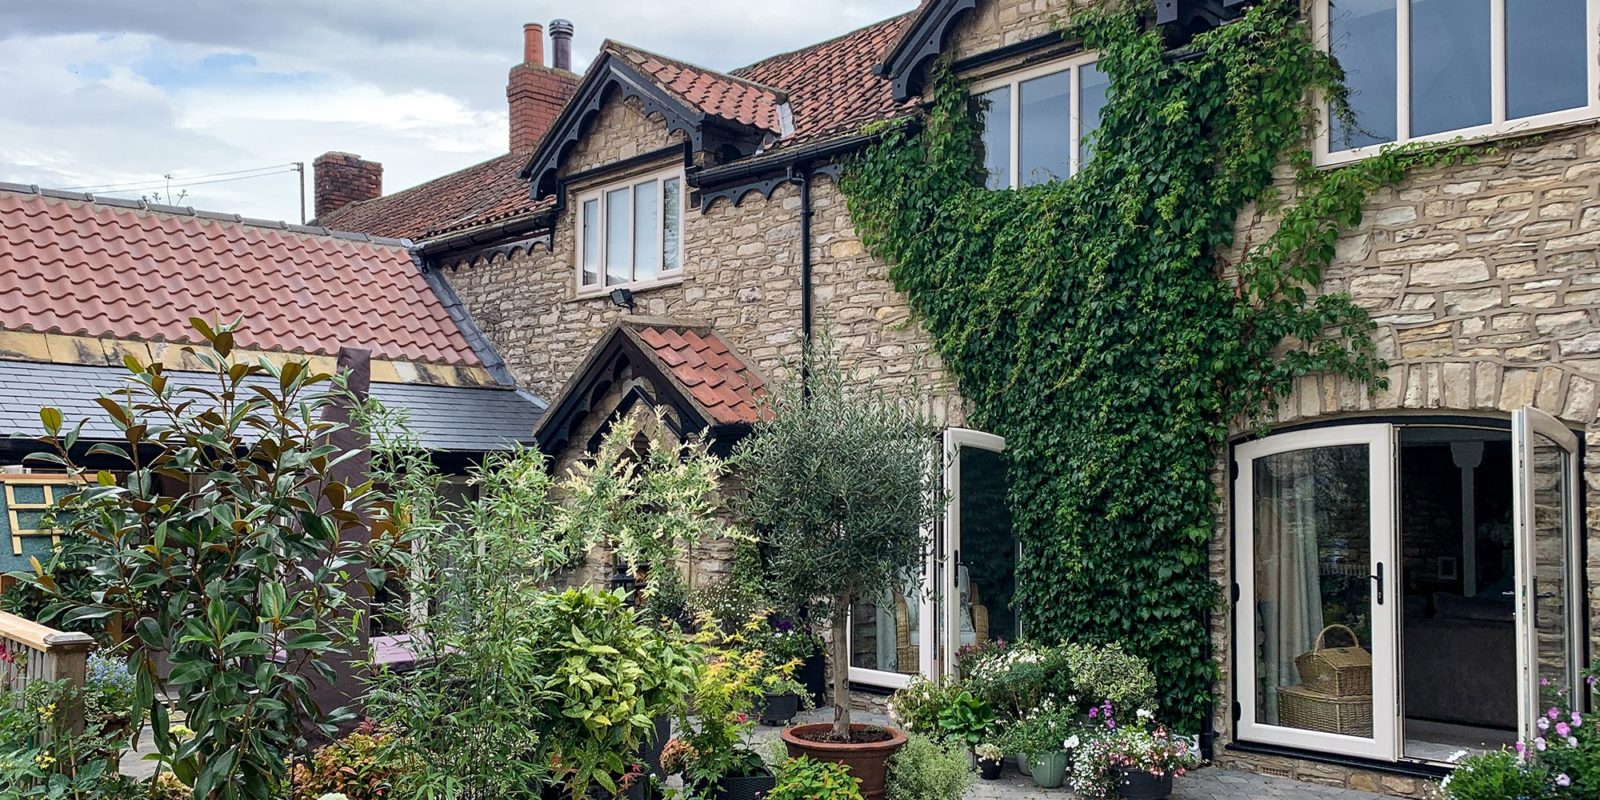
(830, 85)
(718, 94)
(478, 195)
(727, 388)
(113, 269)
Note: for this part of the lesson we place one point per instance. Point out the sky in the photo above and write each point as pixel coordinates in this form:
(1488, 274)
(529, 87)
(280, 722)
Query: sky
(224, 95)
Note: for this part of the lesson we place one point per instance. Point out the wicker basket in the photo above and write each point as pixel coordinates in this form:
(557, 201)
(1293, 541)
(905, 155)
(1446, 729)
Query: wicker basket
(1311, 710)
(1336, 671)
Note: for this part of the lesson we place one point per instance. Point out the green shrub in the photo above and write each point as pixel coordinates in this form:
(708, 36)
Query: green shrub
(42, 757)
(804, 779)
(1107, 673)
(361, 766)
(925, 770)
(916, 708)
(1500, 775)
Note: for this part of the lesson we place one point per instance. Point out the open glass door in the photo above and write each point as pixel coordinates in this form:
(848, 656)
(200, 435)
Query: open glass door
(979, 570)
(1545, 514)
(1314, 517)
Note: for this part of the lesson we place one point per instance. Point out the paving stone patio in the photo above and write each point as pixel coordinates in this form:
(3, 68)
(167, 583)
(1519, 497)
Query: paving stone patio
(1209, 783)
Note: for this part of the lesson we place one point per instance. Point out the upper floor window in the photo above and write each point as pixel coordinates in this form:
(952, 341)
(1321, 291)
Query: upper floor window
(631, 233)
(1439, 69)
(1036, 123)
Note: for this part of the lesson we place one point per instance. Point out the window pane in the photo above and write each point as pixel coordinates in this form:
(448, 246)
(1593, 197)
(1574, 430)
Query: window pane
(1046, 109)
(1545, 56)
(646, 230)
(591, 242)
(1362, 35)
(672, 234)
(886, 634)
(994, 114)
(1313, 551)
(1449, 65)
(1092, 86)
(619, 223)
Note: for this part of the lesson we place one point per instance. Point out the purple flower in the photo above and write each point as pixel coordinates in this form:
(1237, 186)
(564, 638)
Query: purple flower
(1563, 780)
(1544, 724)
(1094, 712)
(1522, 751)
(1562, 729)
(1538, 743)
(1544, 681)
(1577, 719)
(1553, 712)
(1591, 680)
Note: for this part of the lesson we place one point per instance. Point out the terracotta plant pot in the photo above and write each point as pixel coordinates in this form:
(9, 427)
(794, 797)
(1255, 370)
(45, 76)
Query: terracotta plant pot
(868, 762)
(1136, 785)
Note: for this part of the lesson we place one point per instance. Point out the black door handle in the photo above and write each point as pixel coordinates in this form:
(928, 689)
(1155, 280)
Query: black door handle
(1379, 578)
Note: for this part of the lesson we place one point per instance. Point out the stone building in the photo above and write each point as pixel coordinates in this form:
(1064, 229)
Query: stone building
(669, 206)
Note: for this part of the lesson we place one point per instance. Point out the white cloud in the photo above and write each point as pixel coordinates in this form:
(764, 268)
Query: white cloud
(95, 92)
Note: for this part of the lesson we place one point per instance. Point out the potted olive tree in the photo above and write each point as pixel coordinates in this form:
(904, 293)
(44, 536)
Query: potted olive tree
(837, 489)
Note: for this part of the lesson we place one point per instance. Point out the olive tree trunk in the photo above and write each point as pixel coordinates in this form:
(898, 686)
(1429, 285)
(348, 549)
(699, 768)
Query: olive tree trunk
(841, 668)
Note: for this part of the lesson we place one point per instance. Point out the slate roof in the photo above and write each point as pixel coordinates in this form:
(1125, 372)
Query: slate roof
(478, 195)
(724, 386)
(443, 417)
(829, 89)
(125, 270)
(718, 94)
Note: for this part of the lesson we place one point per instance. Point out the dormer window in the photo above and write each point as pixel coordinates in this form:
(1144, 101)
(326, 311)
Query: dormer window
(1434, 70)
(630, 234)
(1036, 123)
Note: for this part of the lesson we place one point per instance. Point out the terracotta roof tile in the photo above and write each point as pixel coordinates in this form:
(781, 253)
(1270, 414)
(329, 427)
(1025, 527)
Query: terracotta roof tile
(478, 195)
(830, 85)
(698, 358)
(108, 270)
(718, 94)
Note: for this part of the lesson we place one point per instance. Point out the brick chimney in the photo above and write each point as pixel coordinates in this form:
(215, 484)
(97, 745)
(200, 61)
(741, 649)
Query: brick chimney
(344, 178)
(536, 93)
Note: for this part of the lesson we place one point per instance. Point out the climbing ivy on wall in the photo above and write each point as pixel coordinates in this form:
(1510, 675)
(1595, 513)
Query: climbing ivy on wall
(1096, 323)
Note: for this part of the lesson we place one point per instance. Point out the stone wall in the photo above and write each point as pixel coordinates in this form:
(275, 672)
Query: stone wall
(1485, 285)
(741, 275)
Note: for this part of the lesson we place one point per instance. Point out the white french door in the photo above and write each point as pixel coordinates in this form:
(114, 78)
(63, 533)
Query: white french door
(1314, 512)
(978, 547)
(1548, 564)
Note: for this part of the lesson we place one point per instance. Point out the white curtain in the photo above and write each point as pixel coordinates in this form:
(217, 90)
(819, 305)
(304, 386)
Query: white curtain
(1288, 579)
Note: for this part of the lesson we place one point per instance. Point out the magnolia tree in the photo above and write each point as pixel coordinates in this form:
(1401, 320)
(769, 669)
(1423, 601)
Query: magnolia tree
(231, 541)
(837, 490)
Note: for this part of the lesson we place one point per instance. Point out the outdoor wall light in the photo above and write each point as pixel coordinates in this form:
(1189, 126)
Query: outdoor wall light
(623, 298)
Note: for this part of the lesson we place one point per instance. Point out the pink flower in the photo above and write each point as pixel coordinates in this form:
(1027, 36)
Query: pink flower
(1543, 724)
(1577, 719)
(1544, 681)
(1522, 751)
(1562, 729)
(1538, 744)
(1553, 712)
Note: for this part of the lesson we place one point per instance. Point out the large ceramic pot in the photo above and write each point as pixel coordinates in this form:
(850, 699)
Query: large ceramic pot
(1022, 764)
(868, 761)
(1138, 785)
(1049, 769)
(779, 709)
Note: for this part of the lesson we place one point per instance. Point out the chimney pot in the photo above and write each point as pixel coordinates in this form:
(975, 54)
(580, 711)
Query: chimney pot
(561, 43)
(533, 44)
(344, 178)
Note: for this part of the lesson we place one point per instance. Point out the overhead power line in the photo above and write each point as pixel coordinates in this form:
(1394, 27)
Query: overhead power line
(187, 180)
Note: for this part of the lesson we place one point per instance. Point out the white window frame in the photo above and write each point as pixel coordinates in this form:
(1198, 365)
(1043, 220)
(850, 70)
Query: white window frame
(598, 194)
(1498, 125)
(1075, 65)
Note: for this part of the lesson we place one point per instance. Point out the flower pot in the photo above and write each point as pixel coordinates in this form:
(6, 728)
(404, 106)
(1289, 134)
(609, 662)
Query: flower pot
(989, 770)
(1049, 769)
(650, 750)
(868, 761)
(813, 674)
(744, 787)
(1022, 764)
(1139, 785)
(779, 709)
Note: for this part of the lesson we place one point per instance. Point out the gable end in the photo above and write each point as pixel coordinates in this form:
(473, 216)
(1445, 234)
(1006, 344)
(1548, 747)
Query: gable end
(920, 44)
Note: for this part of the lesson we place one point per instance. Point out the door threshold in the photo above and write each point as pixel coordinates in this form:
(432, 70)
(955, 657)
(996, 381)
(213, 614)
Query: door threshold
(1411, 768)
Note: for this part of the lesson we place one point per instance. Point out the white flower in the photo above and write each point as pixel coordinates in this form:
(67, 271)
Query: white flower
(1071, 743)
(1145, 713)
